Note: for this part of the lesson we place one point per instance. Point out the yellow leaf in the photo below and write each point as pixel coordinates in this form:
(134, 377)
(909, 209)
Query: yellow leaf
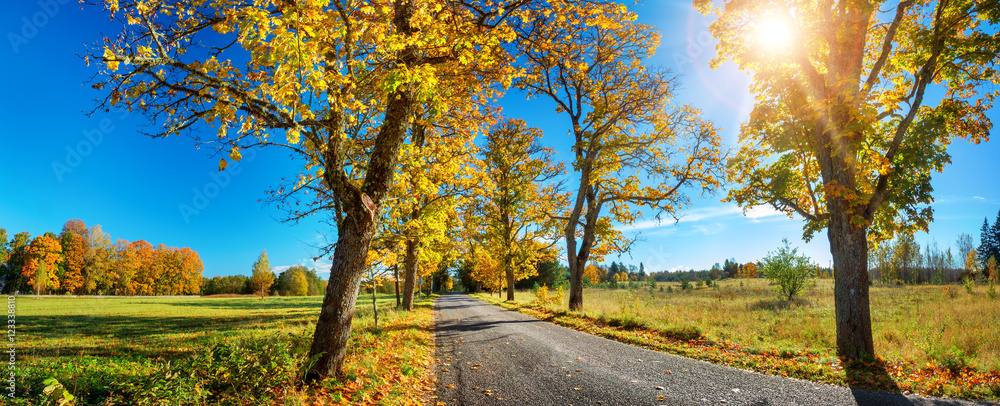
(109, 59)
(293, 136)
(223, 164)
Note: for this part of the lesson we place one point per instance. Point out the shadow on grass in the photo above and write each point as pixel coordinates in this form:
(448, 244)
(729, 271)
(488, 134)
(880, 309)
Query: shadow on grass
(871, 384)
(779, 304)
(303, 303)
(154, 336)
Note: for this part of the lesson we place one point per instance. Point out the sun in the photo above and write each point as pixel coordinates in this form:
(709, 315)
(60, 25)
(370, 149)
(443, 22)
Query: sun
(775, 33)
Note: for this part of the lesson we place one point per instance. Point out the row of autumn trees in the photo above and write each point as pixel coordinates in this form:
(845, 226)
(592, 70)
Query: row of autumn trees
(82, 260)
(381, 102)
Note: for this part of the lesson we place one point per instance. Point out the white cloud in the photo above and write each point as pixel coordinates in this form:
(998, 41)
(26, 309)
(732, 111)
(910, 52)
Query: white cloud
(757, 212)
(978, 197)
(656, 227)
(688, 216)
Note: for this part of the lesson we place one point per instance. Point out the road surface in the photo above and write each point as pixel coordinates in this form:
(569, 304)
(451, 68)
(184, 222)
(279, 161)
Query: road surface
(492, 356)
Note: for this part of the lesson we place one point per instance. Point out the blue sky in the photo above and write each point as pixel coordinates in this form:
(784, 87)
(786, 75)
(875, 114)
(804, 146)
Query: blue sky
(58, 164)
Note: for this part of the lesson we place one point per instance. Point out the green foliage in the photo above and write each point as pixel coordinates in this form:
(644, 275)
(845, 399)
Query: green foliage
(989, 242)
(969, 283)
(56, 394)
(249, 369)
(789, 271)
(226, 285)
(685, 281)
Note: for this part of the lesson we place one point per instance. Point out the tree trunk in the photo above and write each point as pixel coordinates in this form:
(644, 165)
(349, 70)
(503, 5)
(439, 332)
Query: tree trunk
(849, 246)
(510, 284)
(395, 273)
(410, 280)
(375, 307)
(334, 325)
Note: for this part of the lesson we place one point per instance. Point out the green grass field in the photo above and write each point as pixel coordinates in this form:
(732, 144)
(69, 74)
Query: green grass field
(103, 349)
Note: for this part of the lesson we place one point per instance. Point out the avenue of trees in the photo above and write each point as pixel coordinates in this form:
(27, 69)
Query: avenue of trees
(391, 109)
(83, 260)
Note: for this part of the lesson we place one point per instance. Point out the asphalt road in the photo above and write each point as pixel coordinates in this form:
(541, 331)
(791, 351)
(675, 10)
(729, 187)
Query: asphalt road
(488, 355)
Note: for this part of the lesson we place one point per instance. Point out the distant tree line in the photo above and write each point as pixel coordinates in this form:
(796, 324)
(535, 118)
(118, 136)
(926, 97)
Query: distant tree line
(82, 260)
(294, 281)
(903, 261)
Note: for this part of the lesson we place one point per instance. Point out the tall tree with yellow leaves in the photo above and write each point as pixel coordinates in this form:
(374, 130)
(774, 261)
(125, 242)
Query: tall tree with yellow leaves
(514, 202)
(633, 149)
(846, 131)
(261, 276)
(335, 83)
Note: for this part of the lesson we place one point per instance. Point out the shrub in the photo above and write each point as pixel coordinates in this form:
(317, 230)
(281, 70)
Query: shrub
(969, 283)
(789, 271)
(543, 297)
(230, 373)
(685, 281)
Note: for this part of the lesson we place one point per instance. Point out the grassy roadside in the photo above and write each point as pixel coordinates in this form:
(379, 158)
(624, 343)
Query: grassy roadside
(906, 377)
(214, 351)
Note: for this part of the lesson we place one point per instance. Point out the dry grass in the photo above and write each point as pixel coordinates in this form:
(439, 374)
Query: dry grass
(940, 324)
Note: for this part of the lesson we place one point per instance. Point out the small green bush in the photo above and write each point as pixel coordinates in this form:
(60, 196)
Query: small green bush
(788, 271)
(229, 373)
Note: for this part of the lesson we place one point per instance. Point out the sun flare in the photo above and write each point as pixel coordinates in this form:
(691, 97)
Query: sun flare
(775, 33)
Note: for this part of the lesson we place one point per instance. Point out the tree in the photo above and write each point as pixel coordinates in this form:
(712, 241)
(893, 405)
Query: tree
(335, 83)
(749, 270)
(293, 281)
(843, 131)
(593, 274)
(513, 205)
(730, 269)
(788, 270)
(4, 256)
(41, 262)
(972, 264)
(991, 271)
(964, 244)
(16, 260)
(632, 148)
(989, 245)
(97, 261)
(906, 258)
(74, 241)
(262, 278)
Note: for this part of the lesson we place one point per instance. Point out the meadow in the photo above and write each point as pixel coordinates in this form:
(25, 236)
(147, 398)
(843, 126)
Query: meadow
(227, 351)
(941, 335)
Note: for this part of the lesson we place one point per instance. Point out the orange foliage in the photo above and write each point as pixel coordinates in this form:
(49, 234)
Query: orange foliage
(43, 249)
(73, 238)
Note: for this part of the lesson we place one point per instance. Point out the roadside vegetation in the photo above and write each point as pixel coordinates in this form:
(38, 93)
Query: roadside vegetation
(213, 351)
(934, 340)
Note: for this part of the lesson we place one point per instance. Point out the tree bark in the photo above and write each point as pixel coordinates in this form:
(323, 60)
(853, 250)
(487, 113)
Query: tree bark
(849, 246)
(510, 284)
(410, 280)
(395, 274)
(334, 325)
